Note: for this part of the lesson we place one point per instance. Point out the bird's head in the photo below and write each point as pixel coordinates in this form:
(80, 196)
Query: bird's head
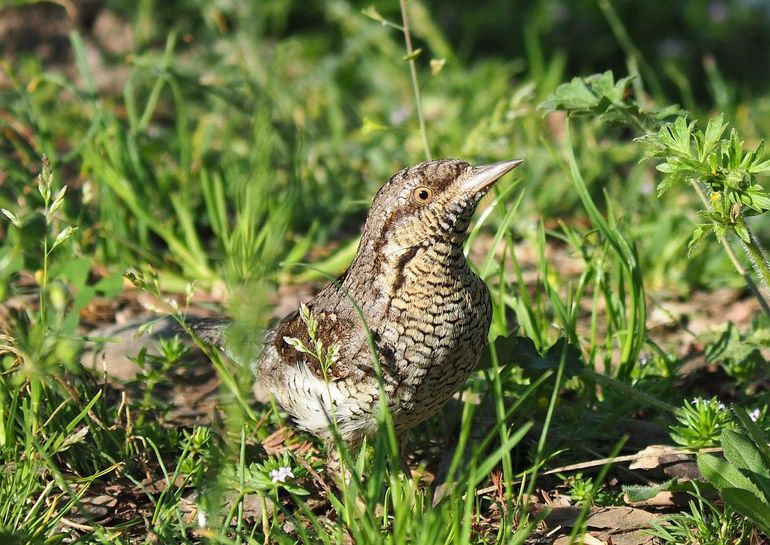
(429, 202)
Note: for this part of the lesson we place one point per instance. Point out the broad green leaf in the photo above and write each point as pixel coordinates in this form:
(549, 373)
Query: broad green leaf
(593, 94)
(110, 286)
(758, 437)
(678, 136)
(723, 474)
(743, 453)
(573, 96)
(757, 198)
(760, 168)
(636, 493)
(742, 232)
(750, 505)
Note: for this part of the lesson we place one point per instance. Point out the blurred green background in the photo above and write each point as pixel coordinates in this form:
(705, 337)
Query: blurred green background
(218, 139)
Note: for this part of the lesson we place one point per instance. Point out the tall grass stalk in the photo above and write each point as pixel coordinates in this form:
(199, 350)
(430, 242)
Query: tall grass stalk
(410, 56)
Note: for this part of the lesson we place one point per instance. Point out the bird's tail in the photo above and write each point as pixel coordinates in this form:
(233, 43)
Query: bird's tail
(239, 342)
(210, 331)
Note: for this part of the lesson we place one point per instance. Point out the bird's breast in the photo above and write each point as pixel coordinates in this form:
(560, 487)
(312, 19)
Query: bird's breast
(437, 324)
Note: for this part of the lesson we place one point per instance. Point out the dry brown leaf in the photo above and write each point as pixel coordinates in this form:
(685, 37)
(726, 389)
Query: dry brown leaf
(656, 456)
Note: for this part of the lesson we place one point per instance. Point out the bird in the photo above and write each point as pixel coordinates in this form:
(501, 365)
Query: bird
(405, 324)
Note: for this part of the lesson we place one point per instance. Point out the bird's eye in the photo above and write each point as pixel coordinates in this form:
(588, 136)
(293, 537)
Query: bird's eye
(422, 195)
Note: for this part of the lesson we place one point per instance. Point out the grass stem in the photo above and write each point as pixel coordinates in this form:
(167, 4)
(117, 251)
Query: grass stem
(415, 84)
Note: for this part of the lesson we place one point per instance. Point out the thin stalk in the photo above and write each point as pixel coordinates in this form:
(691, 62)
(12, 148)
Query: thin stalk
(540, 452)
(625, 41)
(497, 388)
(736, 262)
(44, 283)
(413, 73)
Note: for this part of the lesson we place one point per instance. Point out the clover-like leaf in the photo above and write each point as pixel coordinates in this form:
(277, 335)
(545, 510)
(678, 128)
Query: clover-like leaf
(587, 95)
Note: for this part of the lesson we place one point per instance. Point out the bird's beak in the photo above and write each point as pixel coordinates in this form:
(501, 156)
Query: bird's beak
(485, 175)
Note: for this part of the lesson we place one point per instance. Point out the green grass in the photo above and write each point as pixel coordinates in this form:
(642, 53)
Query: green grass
(234, 153)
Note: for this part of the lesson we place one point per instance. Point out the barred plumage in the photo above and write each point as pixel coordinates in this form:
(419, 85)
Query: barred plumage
(411, 289)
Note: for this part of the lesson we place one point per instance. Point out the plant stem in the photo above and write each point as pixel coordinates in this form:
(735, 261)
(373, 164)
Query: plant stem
(44, 283)
(415, 84)
(734, 258)
(630, 49)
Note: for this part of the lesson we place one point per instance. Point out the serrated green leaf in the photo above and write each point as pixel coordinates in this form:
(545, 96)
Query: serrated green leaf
(701, 230)
(593, 94)
(678, 136)
(636, 493)
(760, 168)
(748, 505)
(601, 84)
(666, 183)
(573, 96)
(741, 451)
(722, 474)
(757, 198)
(751, 428)
(732, 151)
(742, 231)
(714, 130)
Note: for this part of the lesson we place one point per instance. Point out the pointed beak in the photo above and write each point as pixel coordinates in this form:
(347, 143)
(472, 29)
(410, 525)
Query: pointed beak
(482, 177)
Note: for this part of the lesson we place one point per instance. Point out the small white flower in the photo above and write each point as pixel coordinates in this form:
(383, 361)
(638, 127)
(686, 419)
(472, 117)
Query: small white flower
(202, 522)
(721, 406)
(281, 474)
(754, 415)
(696, 400)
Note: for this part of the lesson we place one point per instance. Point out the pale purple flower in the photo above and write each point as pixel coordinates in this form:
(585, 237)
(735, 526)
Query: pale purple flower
(281, 474)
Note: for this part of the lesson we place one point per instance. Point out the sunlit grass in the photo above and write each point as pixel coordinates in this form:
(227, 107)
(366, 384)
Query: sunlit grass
(241, 161)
